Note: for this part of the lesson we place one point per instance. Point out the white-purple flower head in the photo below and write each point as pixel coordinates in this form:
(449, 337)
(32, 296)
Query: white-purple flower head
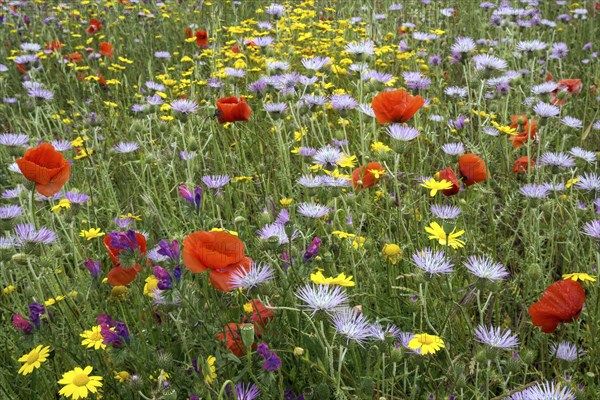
(275, 10)
(26, 233)
(328, 155)
(546, 110)
(351, 324)
(494, 337)
(534, 191)
(10, 211)
(184, 106)
(364, 47)
(402, 132)
(258, 274)
(445, 211)
(557, 159)
(432, 262)
(592, 229)
(215, 181)
(343, 102)
(326, 298)
(316, 63)
(14, 139)
(126, 147)
(566, 351)
(486, 268)
(586, 155)
(588, 181)
(489, 62)
(313, 210)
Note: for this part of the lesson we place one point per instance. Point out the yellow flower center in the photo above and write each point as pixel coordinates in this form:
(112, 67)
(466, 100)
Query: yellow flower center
(80, 380)
(96, 336)
(33, 357)
(427, 339)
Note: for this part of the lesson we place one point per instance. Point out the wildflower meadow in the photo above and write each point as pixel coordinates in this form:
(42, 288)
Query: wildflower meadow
(305, 200)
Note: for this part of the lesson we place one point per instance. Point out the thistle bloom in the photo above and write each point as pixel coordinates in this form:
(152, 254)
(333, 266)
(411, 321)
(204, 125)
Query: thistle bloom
(566, 351)
(445, 211)
(432, 262)
(437, 233)
(494, 337)
(258, 274)
(313, 210)
(486, 268)
(351, 324)
(426, 344)
(322, 297)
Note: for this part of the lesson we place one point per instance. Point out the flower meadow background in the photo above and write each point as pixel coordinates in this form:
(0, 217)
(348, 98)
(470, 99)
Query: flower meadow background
(306, 200)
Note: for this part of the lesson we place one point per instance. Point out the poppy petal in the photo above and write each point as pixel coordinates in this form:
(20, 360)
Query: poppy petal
(119, 276)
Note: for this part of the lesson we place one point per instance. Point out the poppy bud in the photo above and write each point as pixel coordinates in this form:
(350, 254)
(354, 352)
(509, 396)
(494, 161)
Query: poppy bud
(247, 334)
(533, 272)
(322, 391)
(308, 393)
(20, 258)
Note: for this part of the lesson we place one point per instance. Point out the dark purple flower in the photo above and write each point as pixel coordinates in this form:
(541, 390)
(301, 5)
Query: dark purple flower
(35, 310)
(313, 249)
(123, 240)
(114, 336)
(169, 250)
(195, 197)
(272, 363)
(177, 272)
(164, 278)
(263, 350)
(92, 266)
(105, 319)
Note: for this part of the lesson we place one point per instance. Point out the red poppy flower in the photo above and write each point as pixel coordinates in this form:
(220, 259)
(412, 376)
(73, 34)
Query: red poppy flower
(527, 130)
(236, 49)
(523, 164)
(363, 177)
(94, 27)
(54, 45)
(202, 38)
(449, 175)
(232, 338)
(232, 109)
(75, 58)
(561, 302)
(45, 167)
(573, 86)
(21, 68)
(472, 168)
(119, 275)
(221, 252)
(396, 106)
(261, 316)
(188, 32)
(106, 49)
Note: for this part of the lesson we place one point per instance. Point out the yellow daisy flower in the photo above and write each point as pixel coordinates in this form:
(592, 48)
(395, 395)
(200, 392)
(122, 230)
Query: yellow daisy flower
(340, 280)
(579, 276)
(392, 253)
(91, 233)
(436, 186)
(427, 344)
(437, 233)
(210, 373)
(78, 383)
(93, 338)
(33, 359)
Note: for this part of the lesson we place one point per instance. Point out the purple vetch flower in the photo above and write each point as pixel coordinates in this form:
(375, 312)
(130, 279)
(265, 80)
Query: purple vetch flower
(258, 274)
(195, 197)
(494, 337)
(170, 250)
(35, 311)
(485, 268)
(313, 249)
(164, 278)
(93, 267)
(215, 181)
(184, 106)
(272, 363)
(26, 233)
(21, 324)
(123, 240)
(432, 262)
(351, 324)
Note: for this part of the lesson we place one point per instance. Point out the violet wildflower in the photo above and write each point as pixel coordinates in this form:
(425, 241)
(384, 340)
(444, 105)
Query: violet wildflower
(322, 297)
(258, 274)
(35, 311)
(534, 191)
(313, 210)
(402, 132)
(184, 106)
(313, 249)
(485, 268)
(351, 324)
(21, 324)
(195, 197)
(566, 351)
(588, 181)
(93, 267)
(494, 337)
(215, 181)
(432, 262)
(26, 233)
(592, 229)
